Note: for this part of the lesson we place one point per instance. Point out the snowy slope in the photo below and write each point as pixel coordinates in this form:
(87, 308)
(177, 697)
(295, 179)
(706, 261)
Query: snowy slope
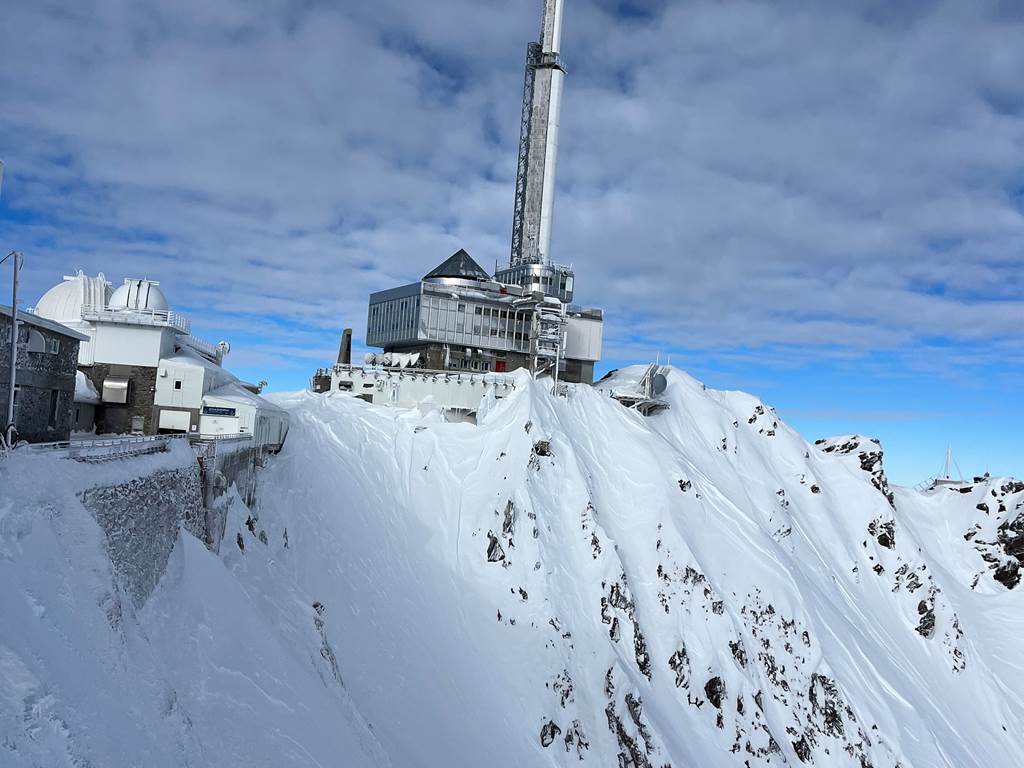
(199, 677)
(566, 583)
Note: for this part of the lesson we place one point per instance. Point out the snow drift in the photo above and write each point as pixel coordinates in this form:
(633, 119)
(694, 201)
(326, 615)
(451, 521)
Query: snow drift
(565, 583)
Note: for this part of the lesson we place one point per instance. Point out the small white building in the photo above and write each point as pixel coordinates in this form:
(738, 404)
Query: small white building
(457, 393)
(150, 373)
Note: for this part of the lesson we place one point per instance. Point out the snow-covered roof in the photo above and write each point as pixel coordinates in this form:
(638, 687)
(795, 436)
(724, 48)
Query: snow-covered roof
(42, 322)
(234, 392)
(186, 356)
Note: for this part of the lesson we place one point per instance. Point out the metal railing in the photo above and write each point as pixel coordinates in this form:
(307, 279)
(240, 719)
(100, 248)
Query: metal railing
(108, 448)
(490, 377)
(153, 317)
(203, 347)
(105, 449)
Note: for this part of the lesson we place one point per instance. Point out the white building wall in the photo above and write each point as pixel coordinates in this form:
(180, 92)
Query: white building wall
(192, 380)
(583, 337)
(462, 391)
(86, 349)
(132, 344)
(216, 426)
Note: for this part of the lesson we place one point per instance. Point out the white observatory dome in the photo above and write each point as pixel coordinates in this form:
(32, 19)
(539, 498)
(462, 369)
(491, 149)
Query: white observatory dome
(139, 294)
(63, 303)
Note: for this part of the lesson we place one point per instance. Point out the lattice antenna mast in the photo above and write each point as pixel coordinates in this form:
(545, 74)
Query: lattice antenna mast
(538, 143)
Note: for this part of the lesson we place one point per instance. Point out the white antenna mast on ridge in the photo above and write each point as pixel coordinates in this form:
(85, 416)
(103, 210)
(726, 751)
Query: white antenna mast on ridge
(947, 469)
(945, 477)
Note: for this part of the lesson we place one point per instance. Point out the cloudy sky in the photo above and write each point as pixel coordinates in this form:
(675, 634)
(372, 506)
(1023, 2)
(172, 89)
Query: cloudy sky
(819, 202)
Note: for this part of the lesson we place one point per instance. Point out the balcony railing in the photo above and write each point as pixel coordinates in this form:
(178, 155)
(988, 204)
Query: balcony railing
(203, 347)
(106, 449)
(151, 317)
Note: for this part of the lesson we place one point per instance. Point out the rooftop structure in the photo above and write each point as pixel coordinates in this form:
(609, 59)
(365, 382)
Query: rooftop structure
(460, 317)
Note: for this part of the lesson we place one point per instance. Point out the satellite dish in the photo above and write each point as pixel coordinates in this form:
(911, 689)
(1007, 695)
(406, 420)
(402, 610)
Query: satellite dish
(370, 358)
(223, 347)
(659, 383)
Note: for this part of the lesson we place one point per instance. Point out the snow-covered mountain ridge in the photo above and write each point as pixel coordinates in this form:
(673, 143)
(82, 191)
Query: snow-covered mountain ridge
(570, 583)
(698, 588)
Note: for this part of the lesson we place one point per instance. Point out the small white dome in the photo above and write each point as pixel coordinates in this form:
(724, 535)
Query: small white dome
(139, 294)
(63, 303)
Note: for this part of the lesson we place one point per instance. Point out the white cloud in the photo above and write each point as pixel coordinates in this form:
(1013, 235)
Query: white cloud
(743, 174)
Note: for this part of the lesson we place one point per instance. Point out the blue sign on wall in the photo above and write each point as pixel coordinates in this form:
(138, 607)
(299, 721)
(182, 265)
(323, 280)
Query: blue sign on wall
(210, 410)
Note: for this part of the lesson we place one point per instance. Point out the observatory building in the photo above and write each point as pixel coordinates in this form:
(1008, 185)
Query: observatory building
(142, 371)
(460, 318)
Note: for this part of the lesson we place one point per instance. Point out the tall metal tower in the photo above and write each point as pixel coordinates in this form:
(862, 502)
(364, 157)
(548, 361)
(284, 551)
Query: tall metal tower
(538, 143)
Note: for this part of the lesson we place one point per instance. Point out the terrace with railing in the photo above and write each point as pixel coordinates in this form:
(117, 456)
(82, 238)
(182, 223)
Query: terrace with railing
(413, 374)
(99, 449)
(150, 317)
(104, 449)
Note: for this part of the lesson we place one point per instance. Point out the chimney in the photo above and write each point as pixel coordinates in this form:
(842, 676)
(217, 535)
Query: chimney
(345, 348)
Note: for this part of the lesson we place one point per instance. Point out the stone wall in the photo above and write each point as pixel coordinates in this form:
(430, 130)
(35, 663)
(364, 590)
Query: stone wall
(38, 375)
(143, 501)
(115, 418)
(224, 463)
(141, 519)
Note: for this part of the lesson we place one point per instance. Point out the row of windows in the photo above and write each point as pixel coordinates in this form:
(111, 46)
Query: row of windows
(547, 283)
(471, 365)
(393, 320)
(448, 320)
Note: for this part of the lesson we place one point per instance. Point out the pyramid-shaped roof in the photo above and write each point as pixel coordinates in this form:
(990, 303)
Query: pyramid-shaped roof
(459, 264)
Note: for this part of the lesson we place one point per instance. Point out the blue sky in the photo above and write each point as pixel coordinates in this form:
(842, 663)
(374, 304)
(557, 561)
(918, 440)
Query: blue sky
(822, 204)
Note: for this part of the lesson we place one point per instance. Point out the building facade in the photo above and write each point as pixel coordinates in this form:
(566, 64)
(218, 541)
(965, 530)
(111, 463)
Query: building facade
(44, 392)
(149, 373)
(460, 318)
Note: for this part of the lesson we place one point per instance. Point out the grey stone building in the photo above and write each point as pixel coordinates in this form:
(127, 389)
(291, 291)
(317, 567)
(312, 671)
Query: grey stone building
(44, 376)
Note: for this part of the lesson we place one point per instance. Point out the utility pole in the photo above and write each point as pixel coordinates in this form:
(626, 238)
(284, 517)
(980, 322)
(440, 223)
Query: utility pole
(8, 433)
